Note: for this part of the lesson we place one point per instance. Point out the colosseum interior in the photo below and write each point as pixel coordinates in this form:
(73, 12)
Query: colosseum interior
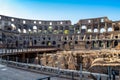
(93, 42)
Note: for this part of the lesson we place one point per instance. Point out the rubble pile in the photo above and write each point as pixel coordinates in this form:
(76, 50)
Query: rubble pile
(89, 59)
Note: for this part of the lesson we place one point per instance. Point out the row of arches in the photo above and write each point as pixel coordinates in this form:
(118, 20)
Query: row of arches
(101, 44)
(101, 30)
(55, 30)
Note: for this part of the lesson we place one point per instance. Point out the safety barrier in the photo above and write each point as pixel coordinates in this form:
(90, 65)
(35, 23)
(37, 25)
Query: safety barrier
(8, 51)
(53, 70)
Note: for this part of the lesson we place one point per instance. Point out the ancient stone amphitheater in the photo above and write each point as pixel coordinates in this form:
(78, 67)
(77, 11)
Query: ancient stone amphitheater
(92, 42)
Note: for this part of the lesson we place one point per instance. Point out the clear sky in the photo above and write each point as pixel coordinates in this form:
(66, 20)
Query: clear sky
(61, 9)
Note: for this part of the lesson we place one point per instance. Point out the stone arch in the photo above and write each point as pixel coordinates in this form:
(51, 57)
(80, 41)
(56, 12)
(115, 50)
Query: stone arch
(24, 31)
(76, 42)
(34, 28)
(116, 28)
(95, 30)
(16, 43)
(48, 43)
(61, 27)
(58, 45)
(13, 27)
(56, 27)
(54, 42)
(102, 30)
(89, 30)
(64, 43)
(83, 27)
(35, 42)
(45, 27)
(66, 27)
(109, 29)
(19, 30)
(43, 42)
(115, 43)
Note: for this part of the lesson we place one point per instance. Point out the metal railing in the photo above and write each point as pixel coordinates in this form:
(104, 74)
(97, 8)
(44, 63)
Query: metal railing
(57, 72)
(7, 51)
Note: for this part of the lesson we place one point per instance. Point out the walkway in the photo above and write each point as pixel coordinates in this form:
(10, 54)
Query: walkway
(8, 73)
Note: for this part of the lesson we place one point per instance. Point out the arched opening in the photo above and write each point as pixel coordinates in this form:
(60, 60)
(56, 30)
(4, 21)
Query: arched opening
(108, 43)
(43, 42)
(88, 44)
(49, 38)
(89, 30)
(54, 42)
(64, 43)
(109, 29)
(95, 45)
(50, 23)
(102, 30)
(61, 27)
(50, 29)
(24, 31)
(100, 44)
(48, 43)
(58, 45)
(66, 27)
(116, 29)
(19, 30)
(115, 43)
(16, 43)
(95, 30)
(65, 38)
(83, 27)
(13, 26)
(40, 29)
(35, 42)
(35, 28)
(24, 43)
(55, 32)
(43, 38)
(66, 31)
(29, 30)
(76, 42)
(56, 27)
(9, 28)
(45, 27)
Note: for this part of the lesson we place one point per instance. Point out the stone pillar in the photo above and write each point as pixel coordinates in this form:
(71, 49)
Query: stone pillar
(23, 57)
(78, 37)
(36, 59)
(98, 28)
(113, 44)
(106, 27)
(119, 74)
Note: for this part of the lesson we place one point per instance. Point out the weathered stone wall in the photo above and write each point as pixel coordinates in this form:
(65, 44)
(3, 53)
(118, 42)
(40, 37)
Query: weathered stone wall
(91, 60)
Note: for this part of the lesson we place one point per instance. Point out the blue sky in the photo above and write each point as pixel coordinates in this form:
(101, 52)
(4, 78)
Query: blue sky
(61, 9)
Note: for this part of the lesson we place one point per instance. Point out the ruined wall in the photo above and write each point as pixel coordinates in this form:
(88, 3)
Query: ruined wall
(95, 33)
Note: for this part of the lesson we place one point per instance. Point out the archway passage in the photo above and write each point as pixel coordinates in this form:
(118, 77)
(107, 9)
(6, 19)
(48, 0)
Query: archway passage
(48, 43)
(115, 43)
(16, 43)
(108, 44)
(54, 42)
(88, 45)
(66, 46)
(35, 42)
(116, 29)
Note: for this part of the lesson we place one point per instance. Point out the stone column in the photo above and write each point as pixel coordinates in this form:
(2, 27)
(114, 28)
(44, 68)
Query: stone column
(23, 57)
(106, 27)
